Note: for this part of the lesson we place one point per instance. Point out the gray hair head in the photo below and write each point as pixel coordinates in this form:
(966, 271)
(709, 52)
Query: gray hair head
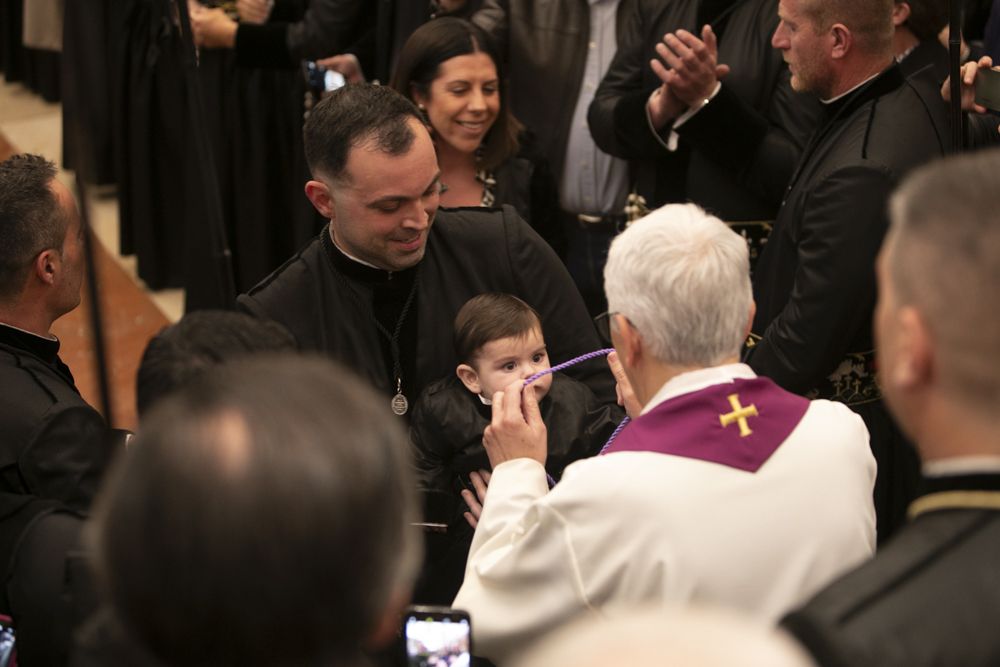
(682, 278)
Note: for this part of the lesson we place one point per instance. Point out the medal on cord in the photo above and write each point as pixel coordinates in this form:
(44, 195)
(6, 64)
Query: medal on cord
(399, 403)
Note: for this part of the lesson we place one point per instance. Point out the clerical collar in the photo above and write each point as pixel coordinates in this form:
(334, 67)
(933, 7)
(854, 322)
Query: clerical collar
(355, 268)
(692, 381)
(962, 465)
(46, 349)
(833, 100)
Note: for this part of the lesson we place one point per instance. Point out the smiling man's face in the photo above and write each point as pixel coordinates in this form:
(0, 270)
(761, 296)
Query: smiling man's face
(384, 205)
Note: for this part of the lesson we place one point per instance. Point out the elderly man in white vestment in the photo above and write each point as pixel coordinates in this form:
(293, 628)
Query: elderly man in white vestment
(725, 489)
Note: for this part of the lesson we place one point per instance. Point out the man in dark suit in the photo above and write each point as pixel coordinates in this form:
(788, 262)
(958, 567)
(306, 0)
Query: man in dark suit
(815, 282)
(677, 120)
(53, 444)
(931, 596)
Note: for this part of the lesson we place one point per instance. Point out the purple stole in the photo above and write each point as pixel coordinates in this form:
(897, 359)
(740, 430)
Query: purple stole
(738, 424)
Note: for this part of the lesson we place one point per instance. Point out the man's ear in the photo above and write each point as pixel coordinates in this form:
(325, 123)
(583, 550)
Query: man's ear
(914, 366)
(629, 341)
(900, 13)
(843, 40)
(469, 377)
(321, 197)
(47, 265)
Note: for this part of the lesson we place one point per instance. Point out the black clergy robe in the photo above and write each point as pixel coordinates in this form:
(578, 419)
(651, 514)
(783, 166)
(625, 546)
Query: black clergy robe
(53, 445)
(469, 251)
(814, 283)
(930, 597)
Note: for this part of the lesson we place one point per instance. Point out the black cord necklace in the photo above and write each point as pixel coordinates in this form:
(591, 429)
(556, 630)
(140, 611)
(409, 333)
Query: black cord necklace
(399, 404)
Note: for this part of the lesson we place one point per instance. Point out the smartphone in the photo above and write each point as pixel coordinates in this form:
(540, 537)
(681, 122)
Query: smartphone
(8, 650)
(988, 88)
(437, 637)
(320, 79)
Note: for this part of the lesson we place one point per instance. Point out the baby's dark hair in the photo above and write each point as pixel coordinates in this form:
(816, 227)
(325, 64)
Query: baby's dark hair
(489, 317)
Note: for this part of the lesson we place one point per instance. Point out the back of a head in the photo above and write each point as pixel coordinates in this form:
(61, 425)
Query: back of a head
(943, 257)
(489, 317)
(870, 21)
(691, 637)
(262, 517)
(927, 18)
(30, 218)
(352, 116)
(682, 277)
(199, 341)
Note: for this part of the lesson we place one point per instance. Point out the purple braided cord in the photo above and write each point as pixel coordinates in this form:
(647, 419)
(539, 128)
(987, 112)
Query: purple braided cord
(614, 435)
(567, 364)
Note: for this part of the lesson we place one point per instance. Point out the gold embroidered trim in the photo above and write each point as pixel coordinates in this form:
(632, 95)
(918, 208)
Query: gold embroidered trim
(986, 500)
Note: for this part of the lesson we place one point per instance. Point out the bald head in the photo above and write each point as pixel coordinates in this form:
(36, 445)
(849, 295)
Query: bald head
(942, 257)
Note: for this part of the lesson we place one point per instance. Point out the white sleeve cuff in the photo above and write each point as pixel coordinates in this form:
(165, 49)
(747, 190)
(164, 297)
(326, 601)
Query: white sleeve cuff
(673, 139)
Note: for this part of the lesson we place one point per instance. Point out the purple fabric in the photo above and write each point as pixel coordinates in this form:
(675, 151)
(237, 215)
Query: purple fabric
(689, 425)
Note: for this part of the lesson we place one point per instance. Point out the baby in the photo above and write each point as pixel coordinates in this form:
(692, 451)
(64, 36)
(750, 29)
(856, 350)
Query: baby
(498, 339)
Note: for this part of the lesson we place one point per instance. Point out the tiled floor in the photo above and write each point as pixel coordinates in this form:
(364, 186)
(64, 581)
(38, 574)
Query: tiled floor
(131, 313)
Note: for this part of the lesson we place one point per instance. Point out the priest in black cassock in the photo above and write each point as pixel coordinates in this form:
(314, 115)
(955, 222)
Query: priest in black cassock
(379, 288)
(815, 281)
(932, 596)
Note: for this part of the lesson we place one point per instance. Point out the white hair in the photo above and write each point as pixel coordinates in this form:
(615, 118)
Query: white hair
(682, 278)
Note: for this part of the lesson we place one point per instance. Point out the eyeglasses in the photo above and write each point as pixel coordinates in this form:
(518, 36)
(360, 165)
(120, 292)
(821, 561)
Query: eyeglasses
(603, 325)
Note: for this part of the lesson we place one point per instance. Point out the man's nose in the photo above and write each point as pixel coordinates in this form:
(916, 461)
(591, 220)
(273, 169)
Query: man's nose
(778, 40)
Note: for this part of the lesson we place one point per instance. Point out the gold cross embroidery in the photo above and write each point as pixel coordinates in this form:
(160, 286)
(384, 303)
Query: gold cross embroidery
(739, 415)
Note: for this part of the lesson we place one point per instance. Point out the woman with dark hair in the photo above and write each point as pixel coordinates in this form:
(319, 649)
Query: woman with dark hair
(452, 71)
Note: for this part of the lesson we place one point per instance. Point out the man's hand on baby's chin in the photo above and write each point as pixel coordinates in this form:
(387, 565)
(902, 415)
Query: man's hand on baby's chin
(517, 430)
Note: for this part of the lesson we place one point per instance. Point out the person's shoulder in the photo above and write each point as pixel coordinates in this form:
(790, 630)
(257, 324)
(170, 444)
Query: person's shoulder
(910, 586)
(833, 421)
(32, 387)
(284, 282)
(477, 226)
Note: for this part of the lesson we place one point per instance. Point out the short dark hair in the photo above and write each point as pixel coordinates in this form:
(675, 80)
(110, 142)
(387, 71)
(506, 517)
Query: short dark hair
(442, 39)
(199, 341)
(263, 516)
(489, 317)
(354, 115)
(927, 18)
(31, 219)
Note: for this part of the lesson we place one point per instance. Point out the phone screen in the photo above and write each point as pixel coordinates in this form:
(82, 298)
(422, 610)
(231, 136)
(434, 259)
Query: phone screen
(988, 88)
(6, 641)
(437, 639)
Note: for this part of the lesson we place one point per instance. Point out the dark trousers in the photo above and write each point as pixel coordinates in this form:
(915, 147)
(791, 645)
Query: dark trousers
(586, 255)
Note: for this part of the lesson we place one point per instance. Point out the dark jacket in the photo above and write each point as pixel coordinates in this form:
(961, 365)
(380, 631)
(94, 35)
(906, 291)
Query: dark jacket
(448, 423)
(53, 445)
(526, 183)
(815, 281)
(469, 251)
(929, 598)
(544, 43)
(736, 154)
